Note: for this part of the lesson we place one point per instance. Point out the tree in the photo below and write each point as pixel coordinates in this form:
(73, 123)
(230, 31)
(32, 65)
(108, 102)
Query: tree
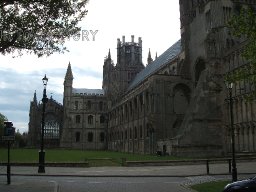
(243, 25)
(2, 119)
(39, 26)
(20, 139)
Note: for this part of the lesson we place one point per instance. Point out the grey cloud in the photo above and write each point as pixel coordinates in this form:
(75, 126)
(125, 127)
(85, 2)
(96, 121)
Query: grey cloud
(86, 72)
(16, 115)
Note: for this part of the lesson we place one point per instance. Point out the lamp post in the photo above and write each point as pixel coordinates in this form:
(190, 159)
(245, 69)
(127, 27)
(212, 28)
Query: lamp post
(41, 167)
(151, 131)
(234, 169)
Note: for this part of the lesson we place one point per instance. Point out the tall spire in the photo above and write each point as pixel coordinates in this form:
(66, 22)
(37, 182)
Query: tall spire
(69, 74)
(156, 56)
(68, 82)
(149, 57)
(109, 55)
(35, 99)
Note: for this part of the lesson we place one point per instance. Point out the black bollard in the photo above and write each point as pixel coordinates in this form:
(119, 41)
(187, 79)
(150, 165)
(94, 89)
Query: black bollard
(8, 166)
(207, 167)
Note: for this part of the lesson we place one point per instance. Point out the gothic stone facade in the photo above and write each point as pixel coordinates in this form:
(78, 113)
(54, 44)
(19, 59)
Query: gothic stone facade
(177, 104)
(53, 123)
(84, 117)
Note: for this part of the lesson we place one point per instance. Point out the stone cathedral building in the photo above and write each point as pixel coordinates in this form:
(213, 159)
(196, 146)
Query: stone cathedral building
(178, 103)
(53, 122)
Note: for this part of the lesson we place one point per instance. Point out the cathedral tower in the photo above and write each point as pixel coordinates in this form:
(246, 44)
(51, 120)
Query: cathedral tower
(129, 62)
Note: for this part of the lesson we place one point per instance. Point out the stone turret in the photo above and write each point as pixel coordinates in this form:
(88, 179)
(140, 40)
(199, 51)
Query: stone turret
(34, 122)
(149, 57)
(68, 82)
(108, 70)
(35, 98)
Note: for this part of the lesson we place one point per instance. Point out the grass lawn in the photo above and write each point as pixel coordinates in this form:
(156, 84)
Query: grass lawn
(215, 186)
(95, 158)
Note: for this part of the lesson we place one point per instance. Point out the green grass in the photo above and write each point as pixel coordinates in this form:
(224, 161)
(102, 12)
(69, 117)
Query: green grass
(216, 186)
(95, 158)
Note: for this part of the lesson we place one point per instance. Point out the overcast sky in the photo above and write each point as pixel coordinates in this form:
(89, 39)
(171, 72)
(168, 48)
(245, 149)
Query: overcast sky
(157, 22)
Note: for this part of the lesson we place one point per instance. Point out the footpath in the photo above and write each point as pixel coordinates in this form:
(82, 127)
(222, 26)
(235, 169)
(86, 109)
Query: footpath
(194, 173)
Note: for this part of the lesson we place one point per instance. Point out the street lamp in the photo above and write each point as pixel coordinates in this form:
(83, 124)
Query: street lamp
(41, 168)
(151, 131)
(234, 170)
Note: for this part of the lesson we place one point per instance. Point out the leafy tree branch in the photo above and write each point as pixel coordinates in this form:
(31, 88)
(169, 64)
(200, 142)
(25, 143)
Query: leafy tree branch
(39, 26)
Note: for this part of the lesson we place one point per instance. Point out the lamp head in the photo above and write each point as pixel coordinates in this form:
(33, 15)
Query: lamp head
(229, 85)
(45, 80)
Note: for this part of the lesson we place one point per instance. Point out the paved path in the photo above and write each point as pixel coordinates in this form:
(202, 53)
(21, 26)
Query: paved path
(180, 171)
(95, 184)
(192, 174)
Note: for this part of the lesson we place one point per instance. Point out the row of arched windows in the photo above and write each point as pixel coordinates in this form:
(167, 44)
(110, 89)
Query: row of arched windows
(90, 137)
(88, 105)
(135, 133)
(90, 119)
(131, 107)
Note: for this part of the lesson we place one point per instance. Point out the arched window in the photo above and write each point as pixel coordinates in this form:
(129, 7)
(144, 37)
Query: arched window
(131, 108)
(135, 103)
(199, 67)
(102, 119)
(90, 119)
(126, 134)
(89, 105)
(102, 137)
(78, 118)
(90, 137)
(147, 101)
(76, 105)
(227, 44)
(141, 101)
(135, 133)
(122, 114)
(174, 70)
(77, 137)
(100, 105)
(126, 111)
(181, 98)
(148, 127)
(130, 133)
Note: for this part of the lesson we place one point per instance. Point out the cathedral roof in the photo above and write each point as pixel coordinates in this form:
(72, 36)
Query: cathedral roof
(160, 61)
(88, 91)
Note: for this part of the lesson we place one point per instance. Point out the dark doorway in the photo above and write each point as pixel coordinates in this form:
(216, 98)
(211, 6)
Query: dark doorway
(199, 67)
(164, 149)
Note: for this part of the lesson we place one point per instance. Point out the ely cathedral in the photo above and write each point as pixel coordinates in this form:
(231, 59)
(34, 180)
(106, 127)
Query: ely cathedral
(176, 104)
